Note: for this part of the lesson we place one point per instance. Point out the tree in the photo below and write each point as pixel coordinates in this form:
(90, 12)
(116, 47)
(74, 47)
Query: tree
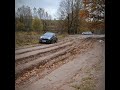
(44, 16)
(20, 26)
(35, 13)
(69, 12)
(78, 5)
(41, 13)
(64, 11)
(37, 24)
(78, 13)
(96, 17)
(24, 16)
(96, 9)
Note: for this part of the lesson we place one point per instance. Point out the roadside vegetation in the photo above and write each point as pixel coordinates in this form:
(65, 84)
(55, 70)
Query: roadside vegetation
(28, 38)
(87, 83)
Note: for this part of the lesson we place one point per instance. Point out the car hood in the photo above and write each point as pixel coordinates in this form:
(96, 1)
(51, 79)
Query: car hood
(46, 37)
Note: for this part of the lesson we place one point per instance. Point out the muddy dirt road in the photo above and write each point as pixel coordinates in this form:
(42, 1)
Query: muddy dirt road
(75, 63)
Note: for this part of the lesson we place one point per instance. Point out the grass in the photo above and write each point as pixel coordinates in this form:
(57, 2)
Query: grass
(61, 36)
(30, 38)
(87, 83)
(26, 38)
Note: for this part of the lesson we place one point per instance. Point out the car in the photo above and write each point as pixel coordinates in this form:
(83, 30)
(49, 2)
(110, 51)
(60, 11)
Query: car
(87, 33)
(48, 37)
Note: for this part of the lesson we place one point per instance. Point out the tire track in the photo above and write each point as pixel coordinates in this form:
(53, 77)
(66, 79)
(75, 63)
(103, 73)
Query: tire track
(21, 51)
(40, 61)
(23, 58)
(78, 47)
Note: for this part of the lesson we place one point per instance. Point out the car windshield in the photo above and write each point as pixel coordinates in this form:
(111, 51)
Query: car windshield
(48, 34)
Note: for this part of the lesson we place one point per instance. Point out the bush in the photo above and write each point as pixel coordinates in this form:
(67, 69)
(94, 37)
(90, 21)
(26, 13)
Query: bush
(20, 26)
(37, 24)
(26, 38)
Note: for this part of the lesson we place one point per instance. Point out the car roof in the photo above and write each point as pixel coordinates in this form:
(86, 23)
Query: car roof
(50, 32)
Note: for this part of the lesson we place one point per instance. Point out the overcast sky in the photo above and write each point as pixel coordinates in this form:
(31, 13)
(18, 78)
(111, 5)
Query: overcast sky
(50, 6)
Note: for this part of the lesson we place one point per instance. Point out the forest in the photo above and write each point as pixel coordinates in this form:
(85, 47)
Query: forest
(74, 16)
